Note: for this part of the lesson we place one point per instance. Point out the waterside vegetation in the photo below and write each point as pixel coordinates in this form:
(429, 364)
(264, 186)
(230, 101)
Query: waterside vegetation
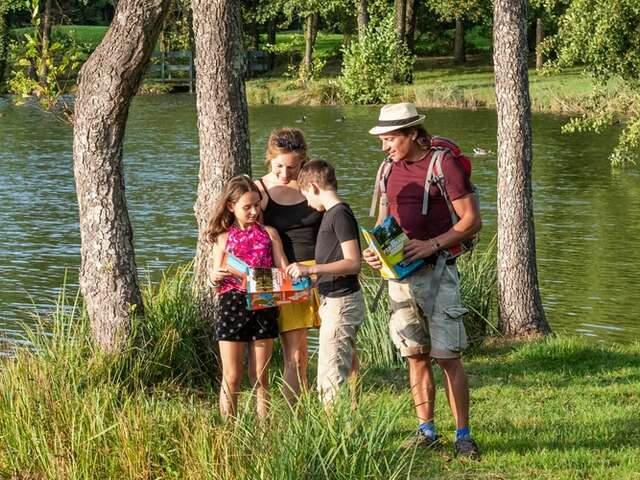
(438, 82)
(555, 408)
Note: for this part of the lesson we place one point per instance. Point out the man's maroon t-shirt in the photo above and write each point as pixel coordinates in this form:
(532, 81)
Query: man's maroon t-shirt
(405, 190)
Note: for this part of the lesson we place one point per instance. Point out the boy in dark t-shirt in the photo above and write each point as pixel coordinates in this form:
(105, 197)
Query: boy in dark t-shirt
(338, 263)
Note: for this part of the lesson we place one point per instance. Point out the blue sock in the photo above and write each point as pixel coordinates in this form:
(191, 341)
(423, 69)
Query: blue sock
(463, 432)
(428, 429)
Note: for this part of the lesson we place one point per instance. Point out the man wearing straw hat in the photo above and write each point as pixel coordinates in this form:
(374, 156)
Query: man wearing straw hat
(426, 311)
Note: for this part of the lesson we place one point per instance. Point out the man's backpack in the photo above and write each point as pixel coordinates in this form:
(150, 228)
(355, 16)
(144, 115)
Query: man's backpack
(435, 175)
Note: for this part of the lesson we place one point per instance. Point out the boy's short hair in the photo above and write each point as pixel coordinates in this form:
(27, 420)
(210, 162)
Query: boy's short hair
(319, 172)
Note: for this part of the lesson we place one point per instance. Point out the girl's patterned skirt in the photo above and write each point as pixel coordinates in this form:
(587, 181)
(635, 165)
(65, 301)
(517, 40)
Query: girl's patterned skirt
(235, 323)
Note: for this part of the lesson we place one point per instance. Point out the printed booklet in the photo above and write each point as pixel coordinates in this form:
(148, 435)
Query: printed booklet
(387, 240)
(268, 287)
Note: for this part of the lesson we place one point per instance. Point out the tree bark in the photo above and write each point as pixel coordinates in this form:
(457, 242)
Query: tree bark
(410, 24)
(520, 305)
(459, 55)
(222, 117)
(362, 17)
(106, 84)
(271, 40)
(45, 40)
(4, 47)
(401, 16)
(539, 38)
(310, 34)
(255, 36)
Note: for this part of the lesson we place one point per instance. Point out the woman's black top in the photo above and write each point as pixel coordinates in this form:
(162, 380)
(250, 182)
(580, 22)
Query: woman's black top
(297, 226)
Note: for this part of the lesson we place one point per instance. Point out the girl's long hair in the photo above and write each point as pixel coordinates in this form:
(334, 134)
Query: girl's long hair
(222, 218)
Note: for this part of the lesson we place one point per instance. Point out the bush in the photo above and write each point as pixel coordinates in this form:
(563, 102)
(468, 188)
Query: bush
(58, 67)
(371, 65)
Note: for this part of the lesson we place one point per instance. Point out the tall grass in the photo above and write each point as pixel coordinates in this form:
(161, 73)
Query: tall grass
(69, 411)
(478, 291)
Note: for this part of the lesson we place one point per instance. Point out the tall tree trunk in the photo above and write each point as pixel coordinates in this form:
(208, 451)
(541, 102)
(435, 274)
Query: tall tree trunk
(401, 15)
(410, 24)
(521, 311)
(310, 34)
(4, 47)
(362, 17)
(45, 40)
(255, 36)
(539, 38)
(222, 116)
(107, 83)
(271, 40)
(459, 55)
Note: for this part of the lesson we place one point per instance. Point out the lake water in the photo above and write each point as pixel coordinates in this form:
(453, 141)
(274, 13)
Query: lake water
(587, 215)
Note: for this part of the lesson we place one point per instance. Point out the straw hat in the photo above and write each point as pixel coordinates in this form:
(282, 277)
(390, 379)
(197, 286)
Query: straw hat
(396, 116)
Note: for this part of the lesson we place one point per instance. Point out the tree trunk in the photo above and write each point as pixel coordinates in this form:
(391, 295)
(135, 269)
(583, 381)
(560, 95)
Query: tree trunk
(521, 311)
(271, 40)
(459, 55)
(222, 116)
(539, 38)
(401, 15)
(4, 48)
(106, 84)
(45, 40)
(410, 24)
(255, 36)
(310, 34)
(362, 18)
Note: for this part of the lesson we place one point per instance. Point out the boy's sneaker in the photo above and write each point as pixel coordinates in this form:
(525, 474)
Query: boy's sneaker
(466, 447)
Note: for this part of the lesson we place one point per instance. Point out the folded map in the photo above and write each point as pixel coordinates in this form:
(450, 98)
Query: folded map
(387, 240)
(267, 287)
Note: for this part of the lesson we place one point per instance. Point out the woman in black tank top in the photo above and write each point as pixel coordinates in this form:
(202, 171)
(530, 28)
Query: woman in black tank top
(285, 209)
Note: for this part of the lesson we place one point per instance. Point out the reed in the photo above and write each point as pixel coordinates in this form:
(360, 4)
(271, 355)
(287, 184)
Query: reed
(69, 411)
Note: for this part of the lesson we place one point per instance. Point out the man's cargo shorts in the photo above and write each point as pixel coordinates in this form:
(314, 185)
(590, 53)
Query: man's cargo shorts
(442, 335)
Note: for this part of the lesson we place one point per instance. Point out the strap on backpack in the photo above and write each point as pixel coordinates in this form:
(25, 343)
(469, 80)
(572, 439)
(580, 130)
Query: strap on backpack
(430, 299)
(380, 187)
(435, 175)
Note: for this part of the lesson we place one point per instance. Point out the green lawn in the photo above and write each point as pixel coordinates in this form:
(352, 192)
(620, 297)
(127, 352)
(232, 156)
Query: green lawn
(561, 408)
(89, 34)
(440, 84)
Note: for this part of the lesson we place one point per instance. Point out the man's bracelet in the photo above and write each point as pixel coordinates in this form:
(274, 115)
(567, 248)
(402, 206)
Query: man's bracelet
(436, 243)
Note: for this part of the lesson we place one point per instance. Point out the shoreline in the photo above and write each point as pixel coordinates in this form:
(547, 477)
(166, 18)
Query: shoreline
(473, 89)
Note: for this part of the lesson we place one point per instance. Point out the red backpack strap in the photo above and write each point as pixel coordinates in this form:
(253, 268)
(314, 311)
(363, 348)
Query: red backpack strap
(380, 187)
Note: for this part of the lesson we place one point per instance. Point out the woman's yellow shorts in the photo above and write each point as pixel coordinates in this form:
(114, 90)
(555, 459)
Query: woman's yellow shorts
(300, 314)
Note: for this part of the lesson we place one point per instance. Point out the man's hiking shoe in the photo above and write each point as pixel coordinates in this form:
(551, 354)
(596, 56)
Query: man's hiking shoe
(466, 447)
(419, 439)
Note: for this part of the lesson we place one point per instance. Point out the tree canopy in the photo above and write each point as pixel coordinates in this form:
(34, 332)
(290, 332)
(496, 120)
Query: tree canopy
(606, 42)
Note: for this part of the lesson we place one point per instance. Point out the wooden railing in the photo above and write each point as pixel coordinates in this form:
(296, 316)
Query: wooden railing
(177, 68)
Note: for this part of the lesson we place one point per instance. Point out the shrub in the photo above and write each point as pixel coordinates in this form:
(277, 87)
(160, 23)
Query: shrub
(58, 67)
(372, 64)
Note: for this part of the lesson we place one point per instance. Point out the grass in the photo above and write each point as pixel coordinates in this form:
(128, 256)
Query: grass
(556, 408)
(438, 83)
(89, 34)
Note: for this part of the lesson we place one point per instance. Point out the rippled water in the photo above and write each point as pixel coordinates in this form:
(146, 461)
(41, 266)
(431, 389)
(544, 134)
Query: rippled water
(587, 216)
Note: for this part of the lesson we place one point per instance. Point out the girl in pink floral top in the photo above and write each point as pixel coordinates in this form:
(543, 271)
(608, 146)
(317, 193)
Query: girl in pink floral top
(234, 229)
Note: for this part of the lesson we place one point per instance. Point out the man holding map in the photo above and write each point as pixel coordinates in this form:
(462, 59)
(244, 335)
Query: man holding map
(426, 188)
